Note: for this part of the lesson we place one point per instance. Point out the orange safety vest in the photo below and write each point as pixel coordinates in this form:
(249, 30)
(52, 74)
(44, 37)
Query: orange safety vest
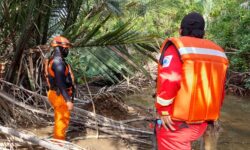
(50, 75)
(202, 81)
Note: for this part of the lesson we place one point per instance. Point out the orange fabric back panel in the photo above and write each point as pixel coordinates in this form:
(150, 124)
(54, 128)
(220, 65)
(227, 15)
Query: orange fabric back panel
(204, 69)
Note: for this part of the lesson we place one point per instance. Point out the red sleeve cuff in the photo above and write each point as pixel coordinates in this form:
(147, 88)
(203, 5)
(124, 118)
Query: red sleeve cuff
(163, 109)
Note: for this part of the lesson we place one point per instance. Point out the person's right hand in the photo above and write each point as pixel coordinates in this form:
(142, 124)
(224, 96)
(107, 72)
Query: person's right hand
(70, 105)
(167, 122)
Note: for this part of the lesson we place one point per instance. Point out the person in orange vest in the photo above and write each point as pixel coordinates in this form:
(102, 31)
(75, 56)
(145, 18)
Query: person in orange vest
(60, 80)
(190, 85)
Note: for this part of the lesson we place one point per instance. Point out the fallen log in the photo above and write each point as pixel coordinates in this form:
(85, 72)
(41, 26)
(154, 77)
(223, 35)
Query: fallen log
(30, 138)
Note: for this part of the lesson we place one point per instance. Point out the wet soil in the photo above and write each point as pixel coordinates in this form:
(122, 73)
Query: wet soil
(90, 142)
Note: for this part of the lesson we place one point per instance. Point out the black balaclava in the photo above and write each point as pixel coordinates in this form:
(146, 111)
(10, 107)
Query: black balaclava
(193, 24)
(61, 51)
(64, 51)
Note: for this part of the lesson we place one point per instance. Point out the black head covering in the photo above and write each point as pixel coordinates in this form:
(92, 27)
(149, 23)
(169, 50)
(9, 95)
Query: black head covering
(61, 51)
(193, 24)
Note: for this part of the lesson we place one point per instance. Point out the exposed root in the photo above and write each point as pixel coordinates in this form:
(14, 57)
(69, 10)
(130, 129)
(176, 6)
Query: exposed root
(237, 83)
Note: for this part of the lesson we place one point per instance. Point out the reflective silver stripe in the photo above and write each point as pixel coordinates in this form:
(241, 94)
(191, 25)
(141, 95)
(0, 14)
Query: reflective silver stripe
(206, 51)
(164, 102)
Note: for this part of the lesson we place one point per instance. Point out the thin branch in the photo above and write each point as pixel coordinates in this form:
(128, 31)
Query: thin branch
(93, 105)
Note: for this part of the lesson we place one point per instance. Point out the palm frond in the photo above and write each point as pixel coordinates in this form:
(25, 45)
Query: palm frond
(91, 33)
(92, 26)
(114, 6)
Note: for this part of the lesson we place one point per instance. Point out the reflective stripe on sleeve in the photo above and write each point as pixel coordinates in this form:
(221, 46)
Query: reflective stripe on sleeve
(164, 102)
(206, 51)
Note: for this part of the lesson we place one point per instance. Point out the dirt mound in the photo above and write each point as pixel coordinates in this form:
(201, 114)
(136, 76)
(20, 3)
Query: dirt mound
(110, 107)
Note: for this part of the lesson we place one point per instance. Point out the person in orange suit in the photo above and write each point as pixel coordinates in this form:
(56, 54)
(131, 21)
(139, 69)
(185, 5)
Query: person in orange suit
(190, 85)
(61, 85)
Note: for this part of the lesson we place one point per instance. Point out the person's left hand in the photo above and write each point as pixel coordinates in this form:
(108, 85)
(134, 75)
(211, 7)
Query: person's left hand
(167, 122)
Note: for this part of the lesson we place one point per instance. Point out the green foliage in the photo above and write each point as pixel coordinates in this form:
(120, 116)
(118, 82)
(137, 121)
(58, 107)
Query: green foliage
(247, 83)
(95, 62)
(230, 28)
(93, 26)
(105, 42)
(111, 37)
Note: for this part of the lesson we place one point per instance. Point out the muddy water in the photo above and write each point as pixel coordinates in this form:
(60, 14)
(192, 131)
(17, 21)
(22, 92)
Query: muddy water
(234, 132)
(235, 122)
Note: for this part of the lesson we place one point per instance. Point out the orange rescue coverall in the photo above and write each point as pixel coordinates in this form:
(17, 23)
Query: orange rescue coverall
(60, 79)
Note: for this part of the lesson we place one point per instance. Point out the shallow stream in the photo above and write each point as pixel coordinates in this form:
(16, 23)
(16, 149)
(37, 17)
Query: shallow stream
(235, 122)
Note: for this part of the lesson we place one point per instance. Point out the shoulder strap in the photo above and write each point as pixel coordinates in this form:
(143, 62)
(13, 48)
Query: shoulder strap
(169, 43)
(71, 74)
(50, 70)
(163, 51)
